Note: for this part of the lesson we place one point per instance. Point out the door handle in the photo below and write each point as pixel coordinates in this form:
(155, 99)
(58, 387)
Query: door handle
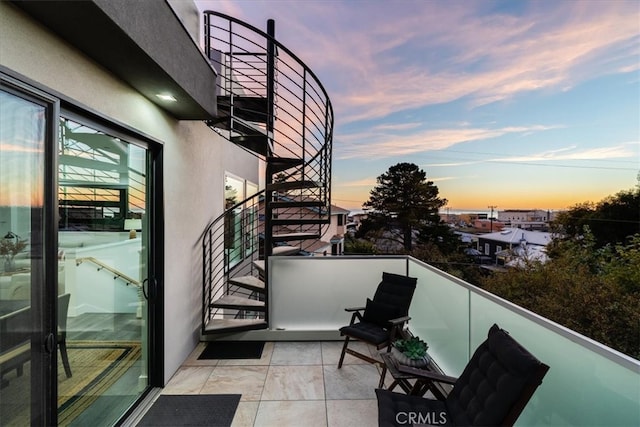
(49, 344)
(150, 289)
(144, 292)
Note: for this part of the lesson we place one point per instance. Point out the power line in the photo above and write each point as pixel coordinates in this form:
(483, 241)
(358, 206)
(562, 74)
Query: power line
(628, 221)
(476, 159)
(487, 153)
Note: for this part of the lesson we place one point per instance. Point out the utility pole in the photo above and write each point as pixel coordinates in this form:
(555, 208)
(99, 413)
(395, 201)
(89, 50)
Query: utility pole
(491, 217)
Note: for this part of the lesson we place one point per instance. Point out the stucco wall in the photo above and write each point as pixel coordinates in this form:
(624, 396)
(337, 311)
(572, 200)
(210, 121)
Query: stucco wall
(195, 159)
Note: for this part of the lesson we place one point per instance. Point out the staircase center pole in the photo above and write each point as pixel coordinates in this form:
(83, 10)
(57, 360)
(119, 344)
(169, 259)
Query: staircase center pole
(268, 229)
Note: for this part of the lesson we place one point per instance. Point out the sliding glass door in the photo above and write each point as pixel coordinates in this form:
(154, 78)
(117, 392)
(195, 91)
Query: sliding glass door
(27, 345)
(103, 250)
(79, 224)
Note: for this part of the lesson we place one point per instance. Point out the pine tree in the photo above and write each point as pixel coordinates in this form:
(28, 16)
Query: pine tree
(404, 199)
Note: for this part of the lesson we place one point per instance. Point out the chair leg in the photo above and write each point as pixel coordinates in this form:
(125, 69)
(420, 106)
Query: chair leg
(344, 350)
(65, 359)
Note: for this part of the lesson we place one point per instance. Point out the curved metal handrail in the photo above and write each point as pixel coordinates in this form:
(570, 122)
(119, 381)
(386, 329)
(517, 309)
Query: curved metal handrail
(267, 95)
(266, 36)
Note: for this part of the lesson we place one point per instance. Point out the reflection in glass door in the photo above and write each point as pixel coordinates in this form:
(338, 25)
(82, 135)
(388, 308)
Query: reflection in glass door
(103, 241)
(233, 195)
(22, 366)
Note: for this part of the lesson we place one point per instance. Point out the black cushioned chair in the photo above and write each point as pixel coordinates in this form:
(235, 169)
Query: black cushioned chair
(493, 389)
(382, 319)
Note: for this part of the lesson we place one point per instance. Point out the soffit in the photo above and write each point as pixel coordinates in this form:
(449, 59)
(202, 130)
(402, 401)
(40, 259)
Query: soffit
(143, 43)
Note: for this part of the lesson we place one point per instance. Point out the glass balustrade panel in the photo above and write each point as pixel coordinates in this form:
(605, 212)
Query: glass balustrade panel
(311, 293)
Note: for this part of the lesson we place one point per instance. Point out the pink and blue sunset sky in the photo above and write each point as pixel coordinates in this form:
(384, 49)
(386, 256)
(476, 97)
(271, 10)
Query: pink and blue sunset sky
(527, 104)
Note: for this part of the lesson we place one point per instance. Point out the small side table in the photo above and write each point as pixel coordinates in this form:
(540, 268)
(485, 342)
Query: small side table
(418, 388)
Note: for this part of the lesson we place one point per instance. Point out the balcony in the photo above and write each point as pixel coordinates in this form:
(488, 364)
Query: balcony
(588, 383)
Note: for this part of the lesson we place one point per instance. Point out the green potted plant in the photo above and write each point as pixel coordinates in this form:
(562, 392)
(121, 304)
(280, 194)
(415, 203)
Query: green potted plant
(411, 352)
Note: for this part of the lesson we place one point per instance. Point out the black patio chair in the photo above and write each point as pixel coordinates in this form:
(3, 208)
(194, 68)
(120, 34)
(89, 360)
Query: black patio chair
(381, 321)
(493, 389)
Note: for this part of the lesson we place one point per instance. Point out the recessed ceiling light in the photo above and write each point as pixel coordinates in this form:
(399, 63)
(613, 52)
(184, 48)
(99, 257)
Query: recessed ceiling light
(166, 97)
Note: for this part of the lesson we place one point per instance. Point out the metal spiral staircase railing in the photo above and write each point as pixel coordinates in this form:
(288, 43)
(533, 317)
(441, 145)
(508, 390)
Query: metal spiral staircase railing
(272, 105)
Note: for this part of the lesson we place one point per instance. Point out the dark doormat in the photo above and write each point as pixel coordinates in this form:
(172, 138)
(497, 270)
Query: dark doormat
(192, 410)
(233, 350)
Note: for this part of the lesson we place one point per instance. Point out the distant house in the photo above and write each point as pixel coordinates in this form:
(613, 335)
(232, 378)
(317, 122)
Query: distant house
(511, 243)
(332, 240)
(526, 218)
(337, 229)
(356, 218)
(488, 225)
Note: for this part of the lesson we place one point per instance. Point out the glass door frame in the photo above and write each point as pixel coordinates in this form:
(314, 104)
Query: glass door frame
(44, 243)
(155, 272)
(44, 354)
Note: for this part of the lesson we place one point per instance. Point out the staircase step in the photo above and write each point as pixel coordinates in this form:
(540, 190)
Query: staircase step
(223, 121)
(259, 264)
(297, 204)
(292, 185)
(220, 122)
(249, 108)
(300, 221)
(226, 325)
(238, 303)
(279, 164)
(251, 283)
(246, 128)
(285, 250)
(256, 143)
(294, 236)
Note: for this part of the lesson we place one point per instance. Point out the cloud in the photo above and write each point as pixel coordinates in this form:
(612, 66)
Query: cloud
(365, 182)
(397, 126)
(424, 53)
(443, 178)
(621, 151)
(374, 145)
(453, 164)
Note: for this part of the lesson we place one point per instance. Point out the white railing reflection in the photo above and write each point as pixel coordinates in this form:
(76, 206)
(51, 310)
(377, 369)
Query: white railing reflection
(588, 383)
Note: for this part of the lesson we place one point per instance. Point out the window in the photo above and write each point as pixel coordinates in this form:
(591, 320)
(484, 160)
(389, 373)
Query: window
(241, 221)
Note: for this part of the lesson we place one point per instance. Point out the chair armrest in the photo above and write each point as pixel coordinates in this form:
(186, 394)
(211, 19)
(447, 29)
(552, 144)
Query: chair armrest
(427, 375)
(399, 320)
(354, 309)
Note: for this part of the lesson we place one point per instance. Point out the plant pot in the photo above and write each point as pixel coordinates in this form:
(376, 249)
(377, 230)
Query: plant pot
(402, 359)
(9, 265)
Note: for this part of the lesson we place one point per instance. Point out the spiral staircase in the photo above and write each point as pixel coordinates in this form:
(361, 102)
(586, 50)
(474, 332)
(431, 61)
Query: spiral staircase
(273, 106)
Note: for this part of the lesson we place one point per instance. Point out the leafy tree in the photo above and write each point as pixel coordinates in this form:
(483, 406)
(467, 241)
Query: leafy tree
(612, 220)
(441, 235)
(357, 246)
(404, 199)
(623, 267)
(456, 264)
(593, 291)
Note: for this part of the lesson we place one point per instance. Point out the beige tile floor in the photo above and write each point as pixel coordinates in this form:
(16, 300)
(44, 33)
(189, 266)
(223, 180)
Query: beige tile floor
(292, 384)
